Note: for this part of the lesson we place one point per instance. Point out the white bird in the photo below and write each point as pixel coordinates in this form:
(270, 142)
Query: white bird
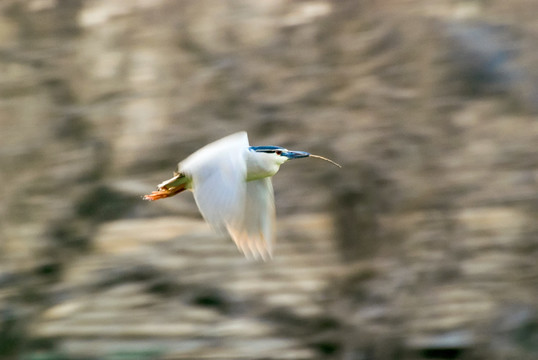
(231, 182)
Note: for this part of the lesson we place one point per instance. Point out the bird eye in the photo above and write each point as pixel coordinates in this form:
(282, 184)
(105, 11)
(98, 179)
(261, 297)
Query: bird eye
(278, 152)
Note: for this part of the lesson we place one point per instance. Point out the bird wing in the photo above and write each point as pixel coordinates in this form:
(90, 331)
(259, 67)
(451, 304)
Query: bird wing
(218, 172)
(254, 235)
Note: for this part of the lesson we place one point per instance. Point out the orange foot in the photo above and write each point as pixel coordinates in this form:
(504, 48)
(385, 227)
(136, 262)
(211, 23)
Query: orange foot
(163, 193)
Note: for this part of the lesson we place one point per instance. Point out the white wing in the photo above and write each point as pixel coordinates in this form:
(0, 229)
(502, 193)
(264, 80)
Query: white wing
(227, 201)
(254, 235)
(218, 172)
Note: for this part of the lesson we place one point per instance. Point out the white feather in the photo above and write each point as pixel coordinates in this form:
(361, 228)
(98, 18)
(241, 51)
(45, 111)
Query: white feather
(254, 236)
(226, 200)
(218, 173)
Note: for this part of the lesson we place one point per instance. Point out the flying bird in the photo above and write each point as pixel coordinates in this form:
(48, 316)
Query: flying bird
(231, 183)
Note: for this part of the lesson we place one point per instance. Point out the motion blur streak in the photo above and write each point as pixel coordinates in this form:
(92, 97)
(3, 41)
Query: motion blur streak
(422, 246)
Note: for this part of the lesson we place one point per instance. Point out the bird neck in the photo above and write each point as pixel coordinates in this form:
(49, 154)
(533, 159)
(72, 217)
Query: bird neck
(261, 165)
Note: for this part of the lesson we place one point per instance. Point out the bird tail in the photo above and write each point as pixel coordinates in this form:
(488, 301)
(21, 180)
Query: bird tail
(169, 187)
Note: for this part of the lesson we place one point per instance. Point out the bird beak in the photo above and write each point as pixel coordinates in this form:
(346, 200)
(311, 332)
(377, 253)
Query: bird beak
(303, 154)
(295, 154)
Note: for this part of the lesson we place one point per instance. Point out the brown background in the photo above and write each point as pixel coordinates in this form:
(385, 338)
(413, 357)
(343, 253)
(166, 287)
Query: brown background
(424, 246)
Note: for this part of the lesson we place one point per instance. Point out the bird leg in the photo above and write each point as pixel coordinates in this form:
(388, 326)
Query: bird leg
(168, 188)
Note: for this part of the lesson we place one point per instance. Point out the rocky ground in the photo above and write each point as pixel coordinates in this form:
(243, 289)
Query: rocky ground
(422, 247)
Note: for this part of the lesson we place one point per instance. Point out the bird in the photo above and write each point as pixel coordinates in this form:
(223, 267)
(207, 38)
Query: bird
(231, 183)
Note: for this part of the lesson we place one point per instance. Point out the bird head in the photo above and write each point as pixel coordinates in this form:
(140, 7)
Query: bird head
(280, 155)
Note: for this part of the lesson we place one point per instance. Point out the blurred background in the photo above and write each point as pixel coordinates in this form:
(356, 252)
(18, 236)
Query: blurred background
(424, 246)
